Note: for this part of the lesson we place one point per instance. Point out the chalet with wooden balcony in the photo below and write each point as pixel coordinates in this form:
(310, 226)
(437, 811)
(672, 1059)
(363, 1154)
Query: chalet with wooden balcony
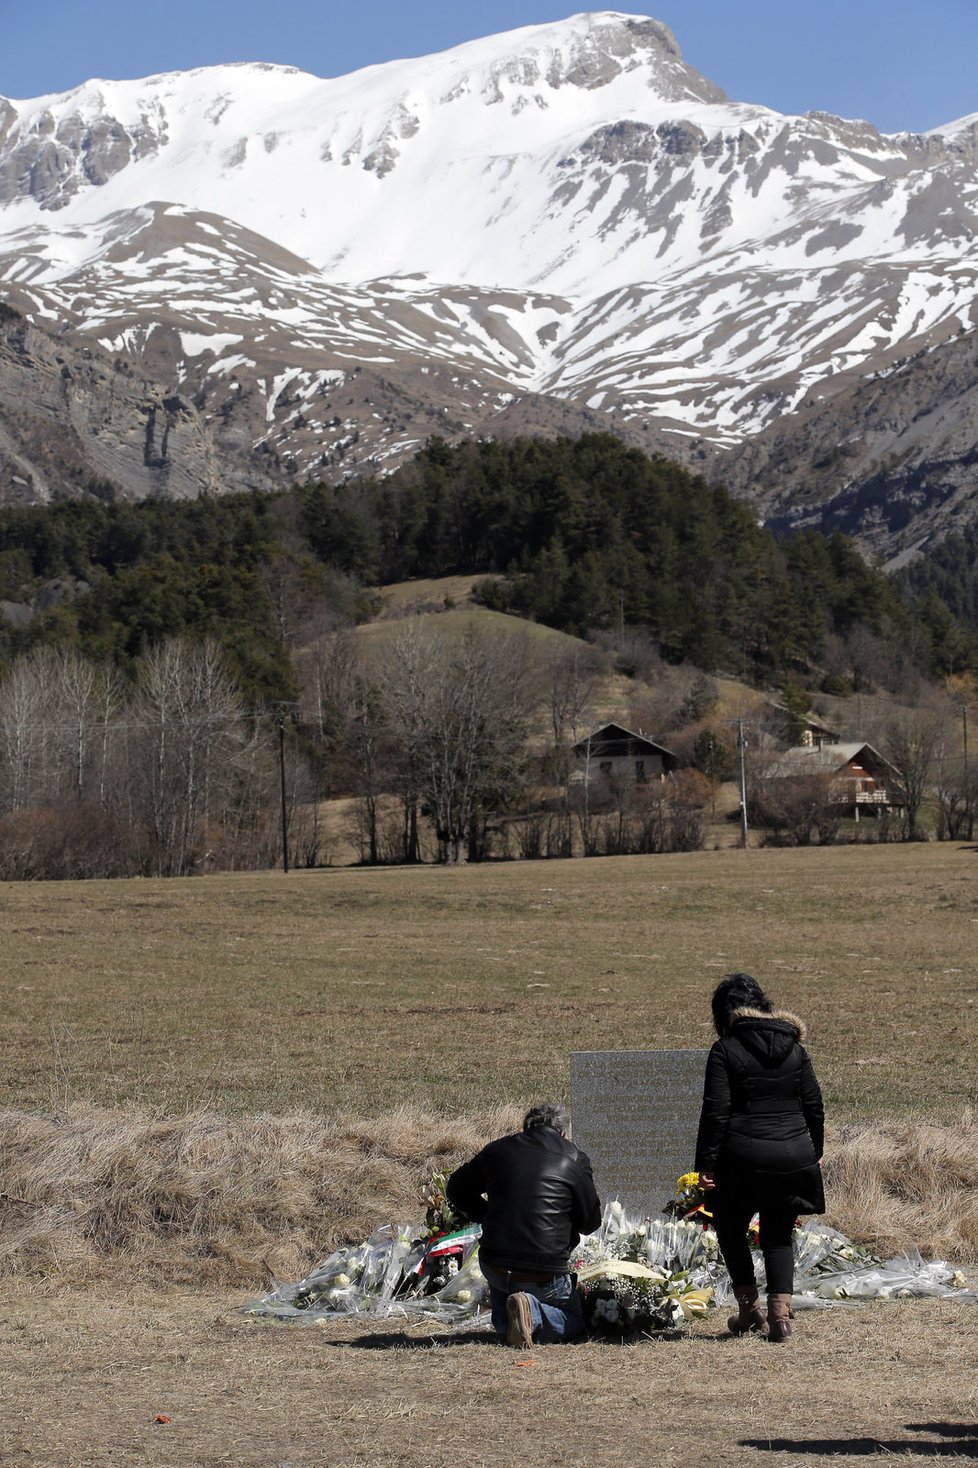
(862, 780)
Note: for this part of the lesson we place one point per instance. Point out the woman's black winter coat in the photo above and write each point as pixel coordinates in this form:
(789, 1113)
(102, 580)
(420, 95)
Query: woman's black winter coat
(762, 1126)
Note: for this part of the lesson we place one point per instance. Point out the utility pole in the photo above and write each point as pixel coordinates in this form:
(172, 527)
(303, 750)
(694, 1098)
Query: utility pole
(285, 808)
(964, 721)
(742, 745)
(712, 756)
(281, 711)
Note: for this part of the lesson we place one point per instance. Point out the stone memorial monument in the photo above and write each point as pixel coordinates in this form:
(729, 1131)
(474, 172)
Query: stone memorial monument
(635, 1113)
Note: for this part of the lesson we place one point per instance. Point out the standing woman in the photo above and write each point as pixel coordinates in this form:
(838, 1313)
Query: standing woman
(759, 1145)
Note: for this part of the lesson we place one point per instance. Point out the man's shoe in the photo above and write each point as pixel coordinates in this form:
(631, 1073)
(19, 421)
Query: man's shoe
(519, 1329)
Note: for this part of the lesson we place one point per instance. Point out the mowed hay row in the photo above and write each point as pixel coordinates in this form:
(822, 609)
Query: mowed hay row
(244, 1200)
(899, 1184)
(201, 1196)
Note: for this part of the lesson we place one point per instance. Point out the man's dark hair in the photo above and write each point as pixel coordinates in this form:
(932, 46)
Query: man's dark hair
(545, 1114)
(737, 991)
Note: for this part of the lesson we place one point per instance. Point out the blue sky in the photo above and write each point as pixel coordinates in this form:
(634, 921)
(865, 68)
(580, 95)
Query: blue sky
(899, 63)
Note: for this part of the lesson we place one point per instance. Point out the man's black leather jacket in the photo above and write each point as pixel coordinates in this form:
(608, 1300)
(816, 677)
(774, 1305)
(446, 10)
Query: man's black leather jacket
(534, 1196)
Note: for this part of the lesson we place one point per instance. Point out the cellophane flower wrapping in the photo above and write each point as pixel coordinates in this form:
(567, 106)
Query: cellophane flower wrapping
(636, 1275)
(385, 1276)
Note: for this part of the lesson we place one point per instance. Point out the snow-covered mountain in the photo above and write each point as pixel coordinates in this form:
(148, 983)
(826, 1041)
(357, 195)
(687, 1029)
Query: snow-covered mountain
(332, 269)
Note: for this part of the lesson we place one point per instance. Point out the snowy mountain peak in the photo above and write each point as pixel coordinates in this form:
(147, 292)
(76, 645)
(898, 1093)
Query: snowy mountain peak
(568, 210)
(587, 51)
(56, 147)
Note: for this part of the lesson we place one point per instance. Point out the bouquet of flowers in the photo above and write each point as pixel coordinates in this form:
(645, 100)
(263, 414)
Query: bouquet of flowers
(352, 1277)
(822, 1251)
(440, 1217)
(407, 1269)
(690, 1200)
(622, 1296)
(641, 1277)
(442, 1246)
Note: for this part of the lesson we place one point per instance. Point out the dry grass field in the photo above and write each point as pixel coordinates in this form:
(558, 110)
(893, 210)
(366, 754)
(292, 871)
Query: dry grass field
(455, 990)
(82, 1381)
(265, 1023)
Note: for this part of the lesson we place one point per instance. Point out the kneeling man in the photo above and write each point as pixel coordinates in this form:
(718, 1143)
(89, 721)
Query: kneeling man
(534, 1196)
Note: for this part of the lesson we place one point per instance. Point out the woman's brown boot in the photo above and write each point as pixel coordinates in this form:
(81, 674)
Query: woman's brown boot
(779, 1317)
(750, 1316)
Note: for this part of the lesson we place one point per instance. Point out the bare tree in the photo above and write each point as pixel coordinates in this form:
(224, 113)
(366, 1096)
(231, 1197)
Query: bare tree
(955, 785)
(460, 708)
(368, 730)
(190, 729)
(335, 669)
(582, 799)
(954, 795)
(795, 809)
(107, 705)
(911, 744)
(89, 698)
(29, 728)
(574, 677)
(404, 677)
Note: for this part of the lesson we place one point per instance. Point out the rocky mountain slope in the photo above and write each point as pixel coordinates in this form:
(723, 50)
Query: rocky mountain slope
(561, 224)
(73, 421)
(891, 460)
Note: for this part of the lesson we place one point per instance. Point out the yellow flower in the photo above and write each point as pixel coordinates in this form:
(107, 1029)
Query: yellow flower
(688, 1180)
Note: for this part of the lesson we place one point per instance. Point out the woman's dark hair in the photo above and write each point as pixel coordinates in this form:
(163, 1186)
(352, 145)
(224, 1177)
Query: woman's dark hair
(737, 991)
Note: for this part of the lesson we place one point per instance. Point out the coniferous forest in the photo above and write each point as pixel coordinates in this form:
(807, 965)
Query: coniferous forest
(582, 535)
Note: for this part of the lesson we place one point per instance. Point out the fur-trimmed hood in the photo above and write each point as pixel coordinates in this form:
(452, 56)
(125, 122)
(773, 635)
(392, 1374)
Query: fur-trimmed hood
(768, 1036)
(784, 1015)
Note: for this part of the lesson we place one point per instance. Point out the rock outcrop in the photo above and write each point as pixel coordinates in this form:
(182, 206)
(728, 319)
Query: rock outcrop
(74, 421)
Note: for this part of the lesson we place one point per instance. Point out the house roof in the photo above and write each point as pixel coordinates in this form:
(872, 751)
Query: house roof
(612, 734)
(828, 759)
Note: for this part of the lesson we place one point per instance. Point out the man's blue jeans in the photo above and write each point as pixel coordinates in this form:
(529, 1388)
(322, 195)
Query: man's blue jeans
(555, 1305)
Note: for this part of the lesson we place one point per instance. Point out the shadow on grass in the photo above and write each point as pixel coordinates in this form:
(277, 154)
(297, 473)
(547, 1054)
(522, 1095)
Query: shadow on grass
(960, 1441)
(391, 1341)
